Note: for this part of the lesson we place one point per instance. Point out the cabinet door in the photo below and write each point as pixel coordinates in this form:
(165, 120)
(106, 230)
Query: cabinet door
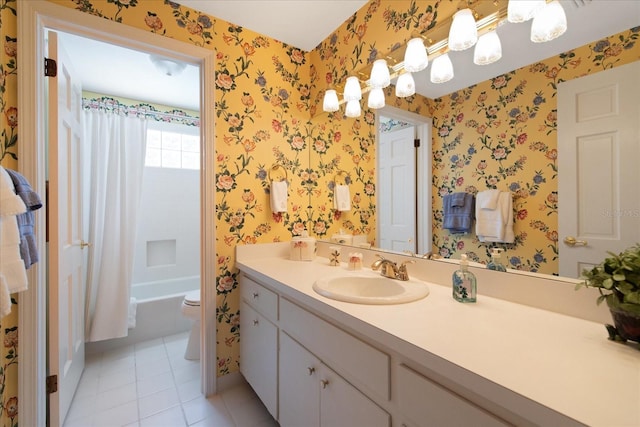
(342, 405)
(299, 385)
(259, 356)
(427, 403)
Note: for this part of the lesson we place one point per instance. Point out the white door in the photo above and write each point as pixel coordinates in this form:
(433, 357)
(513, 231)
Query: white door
(598, 165)
(397, 190)
(66, 279)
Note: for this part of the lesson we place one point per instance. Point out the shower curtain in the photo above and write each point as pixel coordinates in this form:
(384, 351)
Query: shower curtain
(117, 145)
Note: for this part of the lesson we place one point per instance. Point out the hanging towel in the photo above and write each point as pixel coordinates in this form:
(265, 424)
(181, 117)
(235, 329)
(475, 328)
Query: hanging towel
(458, 212)
(13, 275)
(28, 247)
(496, 225)
(278, 194)
(488, 199)
(341, 198)
(5, 298)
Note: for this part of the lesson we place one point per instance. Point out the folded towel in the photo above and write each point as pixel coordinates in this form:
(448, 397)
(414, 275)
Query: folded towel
(23, 189)
(341, 198)
(133, 308)
(278, 196)
(488, 199)
(496, 225)
(458, 199)
(458, 219)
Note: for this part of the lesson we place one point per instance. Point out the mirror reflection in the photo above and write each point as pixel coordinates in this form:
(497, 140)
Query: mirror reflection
(502, 133)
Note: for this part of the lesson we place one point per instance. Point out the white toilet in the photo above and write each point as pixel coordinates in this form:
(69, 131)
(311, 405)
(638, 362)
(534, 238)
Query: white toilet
(191, 310)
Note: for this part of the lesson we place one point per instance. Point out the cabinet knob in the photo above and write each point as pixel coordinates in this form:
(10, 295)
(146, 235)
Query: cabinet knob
(311, 370)
(324, 383)
(255, 295)
(255, 322)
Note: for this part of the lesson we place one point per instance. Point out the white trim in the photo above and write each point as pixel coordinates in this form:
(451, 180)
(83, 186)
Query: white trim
(33, 17)
(423, 172)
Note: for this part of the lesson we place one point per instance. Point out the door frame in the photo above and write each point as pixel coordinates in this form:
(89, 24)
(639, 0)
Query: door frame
(33, 17)
(423, 127)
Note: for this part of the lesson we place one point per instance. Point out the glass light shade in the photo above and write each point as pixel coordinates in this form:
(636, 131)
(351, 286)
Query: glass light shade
(352, 90)
(330, 102)
(488, 49)
(376, 98)
(380, 76)
(405, 85)
(522, 10)
(550, 22)
(415, 57)
(463, 32)
(441, 69)
(352, 109)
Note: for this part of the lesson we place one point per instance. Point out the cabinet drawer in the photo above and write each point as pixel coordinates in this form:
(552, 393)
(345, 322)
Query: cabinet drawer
(426, 403)
(347, 355)
(260, 298)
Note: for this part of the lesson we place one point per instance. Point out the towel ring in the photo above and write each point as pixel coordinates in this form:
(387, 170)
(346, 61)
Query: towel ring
(275, 167)
(339, 174)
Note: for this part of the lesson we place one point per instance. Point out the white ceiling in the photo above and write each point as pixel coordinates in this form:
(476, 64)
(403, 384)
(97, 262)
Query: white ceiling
(123, 72)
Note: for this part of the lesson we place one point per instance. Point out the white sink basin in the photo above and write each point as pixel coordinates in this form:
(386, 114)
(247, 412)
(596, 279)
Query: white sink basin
(370, 289)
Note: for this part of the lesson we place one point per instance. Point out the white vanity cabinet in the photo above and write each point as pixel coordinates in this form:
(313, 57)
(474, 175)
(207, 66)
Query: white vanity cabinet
(259, 341)
(423, 403)
(313, 395)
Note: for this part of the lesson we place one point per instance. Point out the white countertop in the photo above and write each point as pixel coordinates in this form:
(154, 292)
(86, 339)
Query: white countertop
(561, 362)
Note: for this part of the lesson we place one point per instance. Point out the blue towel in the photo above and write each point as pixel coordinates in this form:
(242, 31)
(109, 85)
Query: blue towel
(28, 248)
(458, 217)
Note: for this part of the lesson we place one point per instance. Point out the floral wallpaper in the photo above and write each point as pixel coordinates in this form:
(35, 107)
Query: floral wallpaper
(267, 107)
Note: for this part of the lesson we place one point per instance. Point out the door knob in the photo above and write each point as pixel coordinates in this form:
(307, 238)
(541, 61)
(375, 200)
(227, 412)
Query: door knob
(84, 244)
(324, 383)
(572, 241)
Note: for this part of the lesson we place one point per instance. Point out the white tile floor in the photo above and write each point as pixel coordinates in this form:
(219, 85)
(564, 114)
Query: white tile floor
(152, 384)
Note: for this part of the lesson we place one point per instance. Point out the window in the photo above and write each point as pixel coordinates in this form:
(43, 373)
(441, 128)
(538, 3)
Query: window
(172, 146)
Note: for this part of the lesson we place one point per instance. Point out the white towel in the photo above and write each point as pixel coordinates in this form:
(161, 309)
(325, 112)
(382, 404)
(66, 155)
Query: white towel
(12, 270)
(496, 225)
(5, 297)
(278, 196)
(487, 199)
(133, 308)
(341, 198)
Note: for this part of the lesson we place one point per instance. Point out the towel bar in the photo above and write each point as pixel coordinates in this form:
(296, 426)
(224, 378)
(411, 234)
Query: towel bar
(275, 167)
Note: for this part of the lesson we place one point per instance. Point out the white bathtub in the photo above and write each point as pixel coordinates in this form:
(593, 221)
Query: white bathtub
(157, 312)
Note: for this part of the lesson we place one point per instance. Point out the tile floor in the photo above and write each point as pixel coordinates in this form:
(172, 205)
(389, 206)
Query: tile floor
(151, 384)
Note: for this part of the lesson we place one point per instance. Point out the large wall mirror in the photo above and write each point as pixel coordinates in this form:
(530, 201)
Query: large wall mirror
(519, 53)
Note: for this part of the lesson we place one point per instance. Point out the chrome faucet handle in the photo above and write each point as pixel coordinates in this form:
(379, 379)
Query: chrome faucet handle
(377, 263)
(402, 273)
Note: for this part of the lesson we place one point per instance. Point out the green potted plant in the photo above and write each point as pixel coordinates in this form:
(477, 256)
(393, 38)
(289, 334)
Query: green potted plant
(618, 280)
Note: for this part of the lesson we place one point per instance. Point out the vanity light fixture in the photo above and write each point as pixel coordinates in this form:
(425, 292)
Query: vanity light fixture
(405, 85)
(488, 49)
(441, 69)
(473, 24)
(376, 98)
(549, 22)
(330, 102)
(353, 108)
(523, 10)
(416, 57)
(380, 76)
(463, 32)
(352, 90)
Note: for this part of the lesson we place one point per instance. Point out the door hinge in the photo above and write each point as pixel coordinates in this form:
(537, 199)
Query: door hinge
(416, 143)
(52, 384)
(50, 67)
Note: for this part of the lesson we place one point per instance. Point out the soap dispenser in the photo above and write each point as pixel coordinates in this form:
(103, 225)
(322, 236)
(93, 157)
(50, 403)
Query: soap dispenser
(464, 282)
(496, 260)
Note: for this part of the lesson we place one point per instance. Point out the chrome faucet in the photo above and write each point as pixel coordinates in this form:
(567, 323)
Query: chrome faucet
(390, 269)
